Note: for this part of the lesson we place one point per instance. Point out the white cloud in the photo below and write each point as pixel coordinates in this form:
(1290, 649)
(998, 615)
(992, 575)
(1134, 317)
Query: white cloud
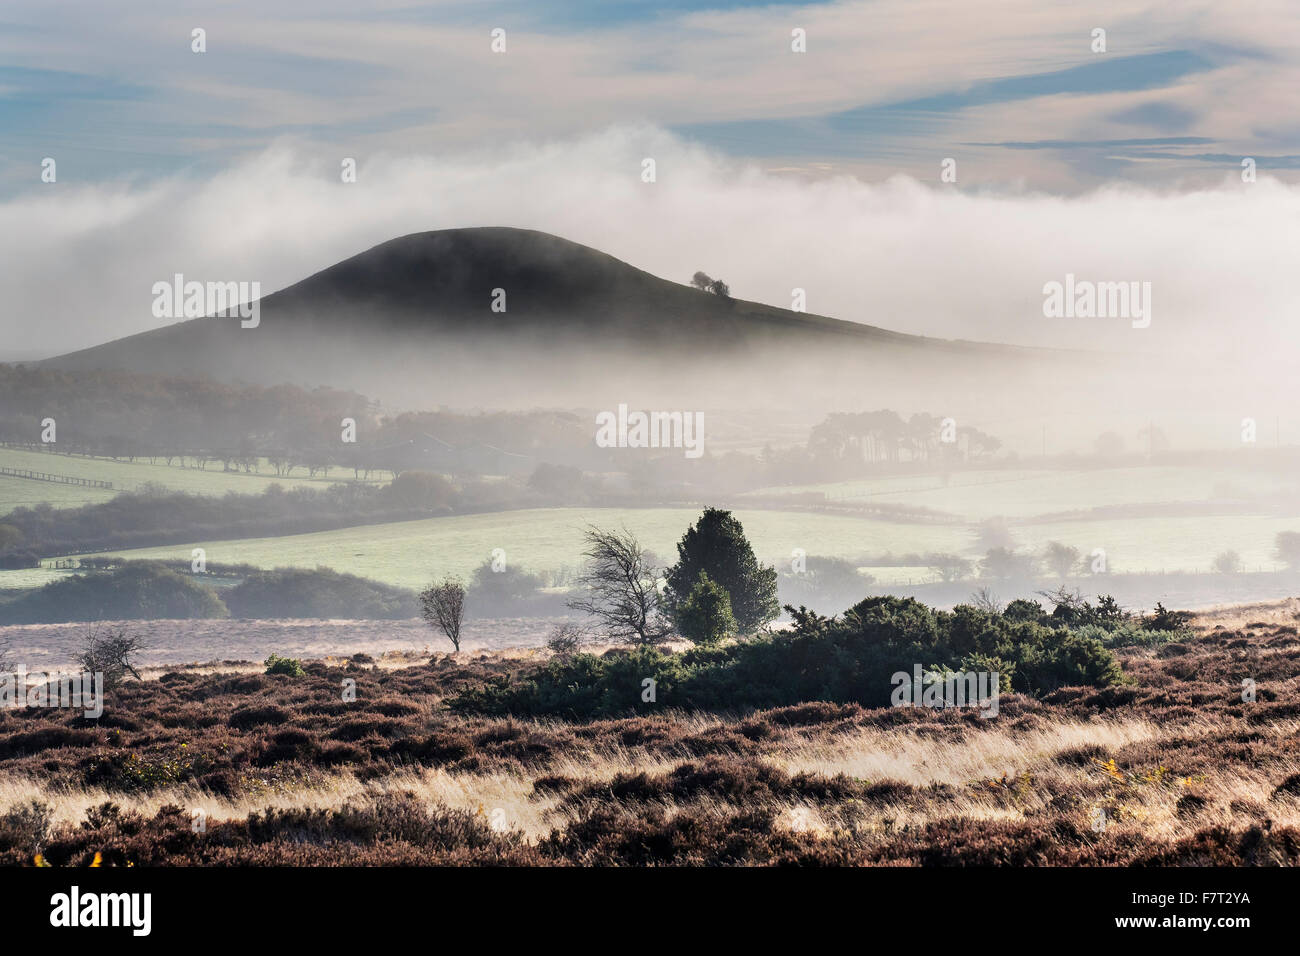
(80, 261)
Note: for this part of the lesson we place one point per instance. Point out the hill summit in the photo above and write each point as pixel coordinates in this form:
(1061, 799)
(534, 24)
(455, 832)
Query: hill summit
(500, 316)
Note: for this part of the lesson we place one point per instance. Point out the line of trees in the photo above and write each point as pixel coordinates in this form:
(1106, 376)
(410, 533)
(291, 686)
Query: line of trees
(885, 436)
(206, 424)
(1063, 561)
(155, 515)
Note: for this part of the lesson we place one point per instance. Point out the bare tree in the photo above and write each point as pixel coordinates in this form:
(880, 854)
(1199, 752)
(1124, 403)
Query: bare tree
(110, 653)
(1064, 597)
(444, 608)
(986, 601)
(566, 640)
(623, 590)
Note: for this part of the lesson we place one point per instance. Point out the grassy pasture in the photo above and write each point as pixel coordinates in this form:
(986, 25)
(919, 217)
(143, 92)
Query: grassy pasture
(128, 476)
(409, 553)
(28, 493)
(977, 495)
(30, 578)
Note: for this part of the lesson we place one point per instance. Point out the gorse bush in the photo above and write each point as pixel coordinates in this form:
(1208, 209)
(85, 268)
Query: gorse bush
(131, 772)
(275, 664)
(1164, 619)
(1128, 634)
(583, 686)
(1105, 621)
(846, 659)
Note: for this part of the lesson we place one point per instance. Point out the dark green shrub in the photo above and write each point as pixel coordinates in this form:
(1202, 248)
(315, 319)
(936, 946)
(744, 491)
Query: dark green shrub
(1164, 619)
(705, 617)
(1024, 610)
(716, 544)
(1067, 660)
(582, 687)
(848, 660)
(1105, 621)
(275, 664)
(1128, 634)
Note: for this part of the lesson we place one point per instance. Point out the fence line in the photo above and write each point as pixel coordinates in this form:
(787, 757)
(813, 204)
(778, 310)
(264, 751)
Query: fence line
(58, 479)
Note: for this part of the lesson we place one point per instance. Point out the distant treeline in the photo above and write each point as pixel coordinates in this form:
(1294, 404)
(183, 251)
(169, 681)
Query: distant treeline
(291, 431)
(886, 436)
(208, 424)
(158, 516)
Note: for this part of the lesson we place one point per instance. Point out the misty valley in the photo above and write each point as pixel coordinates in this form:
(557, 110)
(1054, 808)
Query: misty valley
(653, 437)
(416, 612)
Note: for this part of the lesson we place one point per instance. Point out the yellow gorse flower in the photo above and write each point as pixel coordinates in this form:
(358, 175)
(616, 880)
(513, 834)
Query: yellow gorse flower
(1108, 767)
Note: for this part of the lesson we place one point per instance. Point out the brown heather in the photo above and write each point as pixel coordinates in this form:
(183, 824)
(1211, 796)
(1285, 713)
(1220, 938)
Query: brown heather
(287, 773)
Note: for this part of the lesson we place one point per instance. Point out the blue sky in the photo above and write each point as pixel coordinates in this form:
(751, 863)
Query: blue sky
(1017, 94)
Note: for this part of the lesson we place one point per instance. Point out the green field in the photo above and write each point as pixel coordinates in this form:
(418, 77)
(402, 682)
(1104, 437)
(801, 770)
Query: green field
(410, 553)
(976, 495)
(28, 493)
(129, 476)
(972, 495)
(30, 578)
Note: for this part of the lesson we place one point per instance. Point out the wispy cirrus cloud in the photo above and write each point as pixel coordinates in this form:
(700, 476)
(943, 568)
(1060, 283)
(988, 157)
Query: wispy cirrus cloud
(885, 86)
